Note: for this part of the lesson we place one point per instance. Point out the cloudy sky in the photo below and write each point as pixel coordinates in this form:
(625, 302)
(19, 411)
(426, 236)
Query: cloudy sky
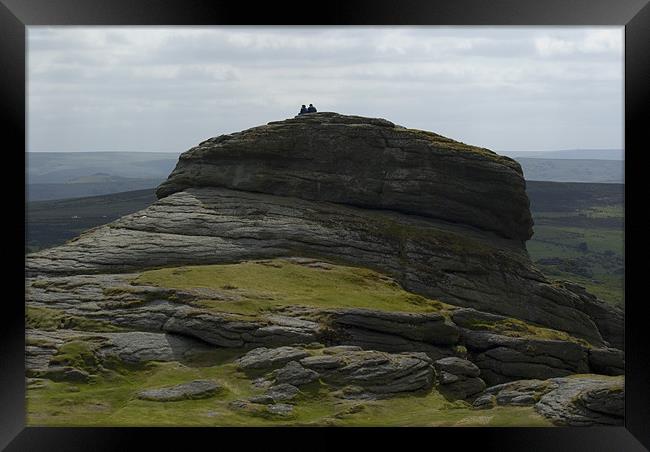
(168, 88)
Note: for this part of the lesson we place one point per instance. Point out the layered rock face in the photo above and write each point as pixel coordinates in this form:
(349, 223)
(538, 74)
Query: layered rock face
(576, 401)
(442, 220)
(364, 162)
(451, 262)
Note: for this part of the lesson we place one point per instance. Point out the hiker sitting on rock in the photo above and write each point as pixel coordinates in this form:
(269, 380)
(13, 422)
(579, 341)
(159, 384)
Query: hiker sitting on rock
(311, 109)
(303, 110)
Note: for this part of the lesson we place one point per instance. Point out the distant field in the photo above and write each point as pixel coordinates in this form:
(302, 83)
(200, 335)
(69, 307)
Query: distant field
(579, 235)
(578, 229)
(88, 187)
(51, 223)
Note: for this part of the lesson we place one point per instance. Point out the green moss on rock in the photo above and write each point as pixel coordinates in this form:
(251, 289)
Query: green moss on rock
(55, 319)
(518, 328)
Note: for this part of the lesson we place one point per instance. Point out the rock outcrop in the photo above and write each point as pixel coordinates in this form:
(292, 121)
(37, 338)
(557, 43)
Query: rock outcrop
(364, 162)
(454, 263)
(197, 389)
(574, 401)
(444, 222)
(363, 373)
(264, 358)
(458, 377)
(503, 358)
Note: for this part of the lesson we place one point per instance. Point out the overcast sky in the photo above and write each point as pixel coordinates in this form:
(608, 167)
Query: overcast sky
(168, 88)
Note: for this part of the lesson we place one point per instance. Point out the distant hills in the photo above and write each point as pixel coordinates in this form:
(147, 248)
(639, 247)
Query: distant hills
(88, 186)
(63, 175)
(65, 167)
(581, 154)
(567, 170)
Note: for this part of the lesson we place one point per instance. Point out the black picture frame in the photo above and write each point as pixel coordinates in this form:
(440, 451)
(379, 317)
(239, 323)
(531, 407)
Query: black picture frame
(15, 15)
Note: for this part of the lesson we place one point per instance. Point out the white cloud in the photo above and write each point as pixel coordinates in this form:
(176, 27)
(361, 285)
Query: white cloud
(603, 41)
(153, 88)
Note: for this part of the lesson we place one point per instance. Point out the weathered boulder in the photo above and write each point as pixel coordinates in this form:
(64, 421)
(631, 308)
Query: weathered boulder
(583, 402)
(575, 401)
(364, 162)
(457, 366)
(503, 358)
(378, 373)
(197, 389)
(139, 347)
(280, 409)
(226, 330)
(293, 373)
(272, 411)
(264, 358)
(432, 328)
(517, 393)
(458, 377)
(279, 393)
(608, 361)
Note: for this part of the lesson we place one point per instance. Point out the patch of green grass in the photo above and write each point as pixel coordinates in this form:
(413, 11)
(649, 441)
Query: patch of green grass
(263, 285)
(79, 354)
(592, 255)
(54, 319)
(112, 401)
(433, 410)
(609, 211)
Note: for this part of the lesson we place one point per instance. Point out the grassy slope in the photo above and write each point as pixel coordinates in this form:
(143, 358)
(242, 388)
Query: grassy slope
(261, 285)
(111, 397)
(112, 401)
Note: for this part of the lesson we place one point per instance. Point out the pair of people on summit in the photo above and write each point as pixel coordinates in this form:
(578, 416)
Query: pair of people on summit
(310, 109)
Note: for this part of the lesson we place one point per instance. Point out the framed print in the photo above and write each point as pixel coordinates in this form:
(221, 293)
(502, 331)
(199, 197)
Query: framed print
(361, 216)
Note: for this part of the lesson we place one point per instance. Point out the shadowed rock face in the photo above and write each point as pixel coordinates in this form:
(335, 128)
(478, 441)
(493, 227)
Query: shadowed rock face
(364, 162)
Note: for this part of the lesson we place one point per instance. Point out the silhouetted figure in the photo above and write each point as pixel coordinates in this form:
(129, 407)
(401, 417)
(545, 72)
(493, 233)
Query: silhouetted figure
(303, 110)
(311, 109)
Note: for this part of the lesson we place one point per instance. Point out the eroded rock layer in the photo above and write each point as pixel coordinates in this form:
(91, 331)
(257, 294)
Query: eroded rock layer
(364, 162)
(457, 264)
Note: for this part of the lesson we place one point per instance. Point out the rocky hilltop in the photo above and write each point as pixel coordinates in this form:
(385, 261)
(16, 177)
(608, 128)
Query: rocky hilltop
(364, 162)
(328, 253)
